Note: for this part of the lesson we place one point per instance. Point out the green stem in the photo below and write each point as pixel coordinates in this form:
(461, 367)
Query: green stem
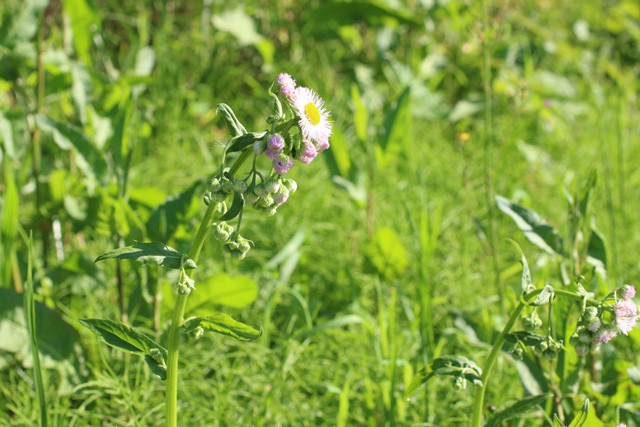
(478, 403)
(181, 303)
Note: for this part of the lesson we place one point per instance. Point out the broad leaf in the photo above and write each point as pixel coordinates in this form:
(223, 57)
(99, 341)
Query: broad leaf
(129, 339)
(534, 227)
(222, 324)
(586, 418)
(85, 22)
(89, 158)
(153, 253)
(122, 337)
(174, 211)
(222, 289)
(518, 410)
(229, 117)
(454, 366)
(597, 250)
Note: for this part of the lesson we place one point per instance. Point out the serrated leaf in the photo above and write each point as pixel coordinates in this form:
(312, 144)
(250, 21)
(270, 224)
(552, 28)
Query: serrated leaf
(455, 366)
(154, 253)
(122, 337)
(90, 159)
(236, 207)
(518, 410)
(222, 324)
(534, 227)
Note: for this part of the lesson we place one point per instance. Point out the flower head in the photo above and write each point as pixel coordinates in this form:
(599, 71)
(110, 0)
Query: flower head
(626, 316)
(313, 117)
(308, 152)
(605, 334)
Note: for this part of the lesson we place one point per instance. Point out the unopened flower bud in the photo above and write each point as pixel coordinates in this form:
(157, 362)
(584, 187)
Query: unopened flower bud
(594, 325)
(272, 186)
(240, 186)
(271, 211)
(266, 201)
(260, 190)
(590, 313)
(259, 146)
(290, 185)
(517, 353)
(582, 348)
(627, 292)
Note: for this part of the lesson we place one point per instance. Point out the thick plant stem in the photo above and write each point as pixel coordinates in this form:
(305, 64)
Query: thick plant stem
(181, 303)
(176, 322)
(478, 403)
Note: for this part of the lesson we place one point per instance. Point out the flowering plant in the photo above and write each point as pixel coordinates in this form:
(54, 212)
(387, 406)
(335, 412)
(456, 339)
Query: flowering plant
(299, 137)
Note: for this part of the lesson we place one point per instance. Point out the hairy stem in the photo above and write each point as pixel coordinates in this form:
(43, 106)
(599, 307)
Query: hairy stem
(181, 303)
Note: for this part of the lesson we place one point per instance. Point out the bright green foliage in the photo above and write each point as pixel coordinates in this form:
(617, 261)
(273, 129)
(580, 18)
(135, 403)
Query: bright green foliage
(459, 367)
(153, 253)
(222, 324)
(386, 254)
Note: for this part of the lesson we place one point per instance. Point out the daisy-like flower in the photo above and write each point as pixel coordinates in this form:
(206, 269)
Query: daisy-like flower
(313, 116)
(626, 316)
(287, 85)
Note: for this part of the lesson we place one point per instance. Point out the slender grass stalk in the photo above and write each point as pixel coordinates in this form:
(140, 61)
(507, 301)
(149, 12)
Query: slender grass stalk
(181, 303)
(36, 140)
(488, 140)
(30, 317)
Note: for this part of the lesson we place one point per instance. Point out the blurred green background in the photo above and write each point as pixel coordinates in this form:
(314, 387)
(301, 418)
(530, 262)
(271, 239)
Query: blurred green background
(383, 259)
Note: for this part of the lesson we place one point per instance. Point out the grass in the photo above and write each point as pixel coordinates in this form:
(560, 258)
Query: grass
(558, 113)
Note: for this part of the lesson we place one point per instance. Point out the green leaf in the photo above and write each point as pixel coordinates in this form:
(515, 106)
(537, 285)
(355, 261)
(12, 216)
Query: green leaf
(534, 227)
(174, 211)
(597, 249)
(9, 225)
(153, 253)
(236, 207)
(518, 410)
(122, 337)
(386, 254)
(233, 124)
(527, 284)
(586, 418)
(360, 114)
(337, 157)
(222, 324)
(85, 22)
(222, 289)
(239, 143)
(239, 24)
(454, 366)
(396, 134)
(90, 160)
(129, 339)
(337, 322)
(57, 340)
(545, 296)
(527, 338)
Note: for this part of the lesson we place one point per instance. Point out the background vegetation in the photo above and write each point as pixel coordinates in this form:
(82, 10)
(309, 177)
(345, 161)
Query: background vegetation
(384, 259)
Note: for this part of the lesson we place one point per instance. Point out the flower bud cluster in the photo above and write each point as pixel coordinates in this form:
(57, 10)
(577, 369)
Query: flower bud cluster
(238, 246)
(269, 195)
(222, 230)
(532, 321)
(597, 327)
(549, 348)
(219, 188)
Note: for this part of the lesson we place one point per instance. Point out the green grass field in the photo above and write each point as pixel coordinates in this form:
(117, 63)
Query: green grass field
(392, 253)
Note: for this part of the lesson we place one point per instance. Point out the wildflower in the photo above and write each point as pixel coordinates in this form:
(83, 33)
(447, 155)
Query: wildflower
(308, 152)
(594, 325)
(627, 292)
(282, 164)
(276, 143)
(626, 316)
(272, 154)
(605, 334)
(281, 196)
(314, 118)
(287, 85)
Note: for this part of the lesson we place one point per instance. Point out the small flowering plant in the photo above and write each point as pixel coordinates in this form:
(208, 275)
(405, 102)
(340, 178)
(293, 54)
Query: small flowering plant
(296, 136)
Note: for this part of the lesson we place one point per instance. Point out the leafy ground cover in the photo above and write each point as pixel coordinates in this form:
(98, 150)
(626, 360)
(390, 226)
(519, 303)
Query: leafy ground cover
(392, 255)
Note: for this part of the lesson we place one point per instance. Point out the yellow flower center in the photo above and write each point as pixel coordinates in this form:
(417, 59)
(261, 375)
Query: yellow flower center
(312, 113)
